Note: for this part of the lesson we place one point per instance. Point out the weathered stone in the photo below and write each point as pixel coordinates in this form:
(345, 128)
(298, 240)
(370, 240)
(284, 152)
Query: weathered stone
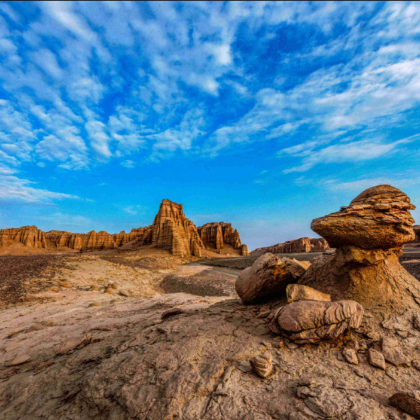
(295, 292)
(172, 312)
(244, 251)
(295, 246)
(324, 401)
(409, 402)
(393, 353)
(268, 277)
(73, 343)
(365, 266)
(309, 321)
(376, 358)
(368, 225)
(262, 365)
(20, 360)
(351, 356)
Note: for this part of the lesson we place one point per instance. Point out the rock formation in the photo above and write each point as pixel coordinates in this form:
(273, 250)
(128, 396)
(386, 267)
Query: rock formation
(244, 251)
(295, 246)
(30, 236)
(217, 235)
(268, 278)
(309, 321)
(171, 230)
(369, 236)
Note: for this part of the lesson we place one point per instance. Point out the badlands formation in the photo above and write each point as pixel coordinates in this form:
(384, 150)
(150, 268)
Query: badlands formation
(295, 246)
(171, 230)
(152, 332)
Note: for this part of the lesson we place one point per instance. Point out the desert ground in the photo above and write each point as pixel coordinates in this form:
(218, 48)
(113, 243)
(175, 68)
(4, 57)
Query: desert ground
(141, 334)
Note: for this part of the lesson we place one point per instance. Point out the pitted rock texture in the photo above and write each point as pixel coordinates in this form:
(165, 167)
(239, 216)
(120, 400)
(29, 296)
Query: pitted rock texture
(295, 246)
(309, 321)
(268, 277)
(218, 234)
(377, 218)
(171, 230)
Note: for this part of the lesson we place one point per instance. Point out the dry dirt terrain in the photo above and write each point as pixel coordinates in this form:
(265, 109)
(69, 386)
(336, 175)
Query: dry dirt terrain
(140, 334)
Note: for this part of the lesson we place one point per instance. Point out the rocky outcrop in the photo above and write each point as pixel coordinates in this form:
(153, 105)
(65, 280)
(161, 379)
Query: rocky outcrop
(268, 277)
(171, 230)
(30, 236)
(218, 234)
(244, 251)
(308, 321)
(369, 236)
(295, 246)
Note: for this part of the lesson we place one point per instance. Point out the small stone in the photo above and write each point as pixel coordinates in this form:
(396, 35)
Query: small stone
(171, 312)
(351, 356)
(291, 346)
(376, 359)
(295, 292)
(262, 365)
(124, 293)
(353, 344)
(36, 327)
(20, 360)
(65, 285)
(68, 346)
(94, 305)
(94, 287)
(110, 290)
(48, 323)
(13, 333)
(392, 352)
(409, 402)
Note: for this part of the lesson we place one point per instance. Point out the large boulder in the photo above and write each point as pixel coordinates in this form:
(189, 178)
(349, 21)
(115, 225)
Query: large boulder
(377, 218)
(268, 277)
(308, 321)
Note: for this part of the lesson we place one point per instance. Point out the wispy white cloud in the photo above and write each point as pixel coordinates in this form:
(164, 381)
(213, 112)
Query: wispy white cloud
(13, 188)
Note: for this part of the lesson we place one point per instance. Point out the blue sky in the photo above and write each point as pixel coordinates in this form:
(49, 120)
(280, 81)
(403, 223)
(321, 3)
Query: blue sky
(265, 114)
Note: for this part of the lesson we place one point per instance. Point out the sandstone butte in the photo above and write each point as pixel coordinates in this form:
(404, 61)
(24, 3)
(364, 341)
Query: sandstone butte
(171, 230)
(295, 246)
(369, 236)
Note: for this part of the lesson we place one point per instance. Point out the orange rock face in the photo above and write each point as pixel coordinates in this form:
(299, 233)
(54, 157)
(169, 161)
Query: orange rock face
(295, 246)
(28, 235)
(216, 235)
(171, 230)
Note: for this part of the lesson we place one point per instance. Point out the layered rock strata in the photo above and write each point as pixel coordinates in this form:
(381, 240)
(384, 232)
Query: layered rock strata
(218, 234)
(295, 246)
(171, 230)
(30, 236)
(268, 277)
(368, 235)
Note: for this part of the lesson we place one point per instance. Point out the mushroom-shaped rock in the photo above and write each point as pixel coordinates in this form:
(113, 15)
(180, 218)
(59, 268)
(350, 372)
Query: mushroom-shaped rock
(377, 218)
(309, 321)
(268, 277)
(368, 236)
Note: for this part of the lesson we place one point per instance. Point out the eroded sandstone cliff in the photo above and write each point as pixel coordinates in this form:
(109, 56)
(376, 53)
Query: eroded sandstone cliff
(218, 234)
(295, 246)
